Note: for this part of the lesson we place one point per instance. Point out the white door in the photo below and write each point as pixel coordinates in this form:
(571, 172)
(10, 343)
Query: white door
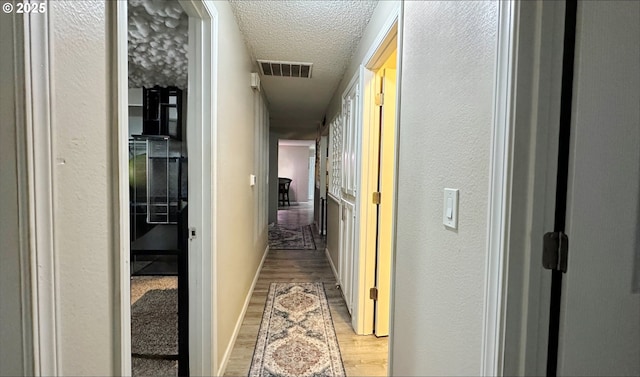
(347, 246)
(600, 302)
(348, 254)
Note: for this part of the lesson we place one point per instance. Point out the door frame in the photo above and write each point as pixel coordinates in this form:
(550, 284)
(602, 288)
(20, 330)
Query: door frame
(38, 248)
(370, 171)
(536, 93)
(499, 206)
(202, 137)
(366, 219)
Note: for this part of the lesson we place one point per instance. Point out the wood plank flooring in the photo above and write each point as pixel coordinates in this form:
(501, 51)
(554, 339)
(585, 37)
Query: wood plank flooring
(361, 355)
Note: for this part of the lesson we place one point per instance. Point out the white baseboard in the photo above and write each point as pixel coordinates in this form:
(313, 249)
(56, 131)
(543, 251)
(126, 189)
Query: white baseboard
(236, 330)
(333, 267)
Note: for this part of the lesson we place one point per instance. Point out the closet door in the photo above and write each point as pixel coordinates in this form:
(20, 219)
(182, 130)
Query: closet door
(599, 323)
(348, 194)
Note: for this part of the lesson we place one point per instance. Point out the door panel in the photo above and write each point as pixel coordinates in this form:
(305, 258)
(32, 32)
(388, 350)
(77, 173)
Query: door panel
(347, 253)
(600, 322)
(385, 210)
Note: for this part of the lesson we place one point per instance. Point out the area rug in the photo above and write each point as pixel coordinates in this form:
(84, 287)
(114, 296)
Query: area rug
(296, 336)
(282, 237)
(154, 324)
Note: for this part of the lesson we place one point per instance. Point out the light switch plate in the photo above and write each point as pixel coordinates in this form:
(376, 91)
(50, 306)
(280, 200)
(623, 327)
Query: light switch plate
(450, 211)
(252, 180)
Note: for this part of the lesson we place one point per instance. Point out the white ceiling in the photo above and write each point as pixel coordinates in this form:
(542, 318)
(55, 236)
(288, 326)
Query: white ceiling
(325, 33)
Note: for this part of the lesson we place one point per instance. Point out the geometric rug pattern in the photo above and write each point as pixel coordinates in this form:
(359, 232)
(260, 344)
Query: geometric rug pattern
(296, 336)
(283, 237)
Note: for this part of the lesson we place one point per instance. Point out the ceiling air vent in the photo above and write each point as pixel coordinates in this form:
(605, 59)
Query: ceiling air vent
(285, 69)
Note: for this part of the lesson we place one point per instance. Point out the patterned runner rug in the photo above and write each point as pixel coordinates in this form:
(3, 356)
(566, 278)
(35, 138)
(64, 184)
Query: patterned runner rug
(296, 336)
(282, 237)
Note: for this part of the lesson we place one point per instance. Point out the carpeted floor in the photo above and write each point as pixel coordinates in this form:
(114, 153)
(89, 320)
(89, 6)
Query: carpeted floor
(296, 336)
(288, 237)
(154, 325)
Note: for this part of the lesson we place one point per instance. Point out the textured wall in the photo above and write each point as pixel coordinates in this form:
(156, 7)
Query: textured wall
(445, 137)
(83, 186)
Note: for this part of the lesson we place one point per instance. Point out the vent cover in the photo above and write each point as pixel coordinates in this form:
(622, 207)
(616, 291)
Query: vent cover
(285, 69)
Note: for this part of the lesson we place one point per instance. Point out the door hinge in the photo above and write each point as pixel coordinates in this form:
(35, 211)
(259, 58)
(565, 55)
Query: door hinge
(555, 251)
(373, 293)
(376, 197)
(379, 99)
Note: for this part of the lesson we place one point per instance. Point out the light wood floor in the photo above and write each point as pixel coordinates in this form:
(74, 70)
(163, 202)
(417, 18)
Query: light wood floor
(362, 355)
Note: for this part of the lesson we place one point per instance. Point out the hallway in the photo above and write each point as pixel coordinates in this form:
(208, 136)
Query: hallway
(361, 355)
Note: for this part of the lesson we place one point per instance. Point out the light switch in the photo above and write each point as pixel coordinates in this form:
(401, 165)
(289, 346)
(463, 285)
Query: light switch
(252, 180)
(450, 213)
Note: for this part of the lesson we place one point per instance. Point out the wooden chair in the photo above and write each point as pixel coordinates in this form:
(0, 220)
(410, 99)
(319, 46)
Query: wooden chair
(283, 190)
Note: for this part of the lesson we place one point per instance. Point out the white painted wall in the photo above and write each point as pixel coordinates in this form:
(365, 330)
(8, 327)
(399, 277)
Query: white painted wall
(449, 53)
(239, 250)
(293, 162)
(85, 249)
(14, 361)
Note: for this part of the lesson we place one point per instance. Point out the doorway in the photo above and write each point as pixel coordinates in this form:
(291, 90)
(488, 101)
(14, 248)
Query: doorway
(386, 83)
(378, 181)
(158, 188)
(596, 331)
(296, 161)
(168, 130)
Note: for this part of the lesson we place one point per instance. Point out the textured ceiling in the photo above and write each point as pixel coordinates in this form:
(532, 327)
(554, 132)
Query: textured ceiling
(158, 42)
(325, 33)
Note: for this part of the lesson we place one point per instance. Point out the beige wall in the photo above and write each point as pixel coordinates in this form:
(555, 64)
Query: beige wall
(13, 272)
(449, 53)
(239, 250)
